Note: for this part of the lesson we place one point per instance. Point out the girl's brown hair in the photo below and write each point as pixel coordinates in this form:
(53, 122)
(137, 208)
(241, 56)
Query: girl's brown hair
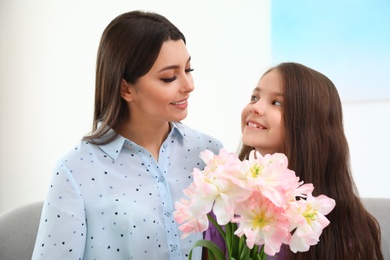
(318, 152)
(128, 48)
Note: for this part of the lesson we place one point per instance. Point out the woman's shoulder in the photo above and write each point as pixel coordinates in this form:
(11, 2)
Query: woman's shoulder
(199, 138)
(79, 150)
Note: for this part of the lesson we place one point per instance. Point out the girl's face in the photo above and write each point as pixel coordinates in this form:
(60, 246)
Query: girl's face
(262, 118)
(162, 94)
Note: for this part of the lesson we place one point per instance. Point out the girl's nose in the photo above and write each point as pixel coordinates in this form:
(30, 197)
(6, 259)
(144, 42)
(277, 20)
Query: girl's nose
(257, 109)
(254, 111)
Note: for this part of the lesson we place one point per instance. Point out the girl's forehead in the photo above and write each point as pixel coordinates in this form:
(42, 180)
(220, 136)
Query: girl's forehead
(270, 82)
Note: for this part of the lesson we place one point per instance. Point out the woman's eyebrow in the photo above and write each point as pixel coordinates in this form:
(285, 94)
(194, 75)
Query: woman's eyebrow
(173, 66)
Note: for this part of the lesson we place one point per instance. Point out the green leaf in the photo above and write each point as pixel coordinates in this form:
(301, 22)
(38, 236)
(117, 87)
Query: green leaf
(229, 239)
(214, 222)
(214, 252)
(245, 253)
(262, 254)
(254, 251)
(226, 235)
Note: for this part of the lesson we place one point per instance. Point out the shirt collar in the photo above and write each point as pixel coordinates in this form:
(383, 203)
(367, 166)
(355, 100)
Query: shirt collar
(114, 148)
(177, 127)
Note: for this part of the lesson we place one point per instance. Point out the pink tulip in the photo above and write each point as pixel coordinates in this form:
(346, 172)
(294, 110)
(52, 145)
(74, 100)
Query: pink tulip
(269, 203)
(262, 223)
(308, 221)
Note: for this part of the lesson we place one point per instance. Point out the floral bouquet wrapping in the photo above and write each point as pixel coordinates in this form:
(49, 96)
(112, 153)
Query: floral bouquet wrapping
(258, 205)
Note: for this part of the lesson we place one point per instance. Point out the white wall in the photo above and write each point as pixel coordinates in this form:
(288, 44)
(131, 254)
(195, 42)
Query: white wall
(47, 61)
(367, 127)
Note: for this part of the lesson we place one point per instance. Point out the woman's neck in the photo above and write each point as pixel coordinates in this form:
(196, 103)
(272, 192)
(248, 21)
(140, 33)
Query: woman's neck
(148, 136)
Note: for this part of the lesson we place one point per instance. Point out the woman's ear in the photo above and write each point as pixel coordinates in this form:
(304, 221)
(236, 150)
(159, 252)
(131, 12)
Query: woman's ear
(127, 91)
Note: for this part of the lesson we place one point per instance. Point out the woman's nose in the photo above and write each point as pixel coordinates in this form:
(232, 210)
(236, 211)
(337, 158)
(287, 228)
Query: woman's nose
(188, 83)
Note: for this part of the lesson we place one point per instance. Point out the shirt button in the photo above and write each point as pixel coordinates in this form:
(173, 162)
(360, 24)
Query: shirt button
(165, 145)
(161, 179)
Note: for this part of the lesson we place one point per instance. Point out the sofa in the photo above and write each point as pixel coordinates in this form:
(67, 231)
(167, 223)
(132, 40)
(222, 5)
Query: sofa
(380, 208)
(18, 228)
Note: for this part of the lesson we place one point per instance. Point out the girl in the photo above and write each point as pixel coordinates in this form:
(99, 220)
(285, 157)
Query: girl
(297, 111)
(111, 197)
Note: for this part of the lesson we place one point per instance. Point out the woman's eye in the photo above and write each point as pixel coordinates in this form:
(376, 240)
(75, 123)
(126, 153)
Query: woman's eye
(254, 98)
(167, 80)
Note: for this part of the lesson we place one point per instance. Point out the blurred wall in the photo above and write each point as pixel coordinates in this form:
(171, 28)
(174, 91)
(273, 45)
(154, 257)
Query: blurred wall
(47, 62)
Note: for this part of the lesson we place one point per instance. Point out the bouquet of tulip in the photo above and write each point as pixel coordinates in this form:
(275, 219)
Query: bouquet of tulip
(258, 205)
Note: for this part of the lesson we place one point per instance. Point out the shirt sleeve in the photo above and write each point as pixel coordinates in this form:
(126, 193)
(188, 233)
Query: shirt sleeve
(62, 227)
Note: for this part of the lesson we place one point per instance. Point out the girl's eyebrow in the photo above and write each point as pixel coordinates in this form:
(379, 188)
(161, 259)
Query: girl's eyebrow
(278, 94)
(275, 93)
(173, 66)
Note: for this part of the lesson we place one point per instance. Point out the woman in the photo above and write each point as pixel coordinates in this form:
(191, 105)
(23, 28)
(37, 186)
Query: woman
(111, 197)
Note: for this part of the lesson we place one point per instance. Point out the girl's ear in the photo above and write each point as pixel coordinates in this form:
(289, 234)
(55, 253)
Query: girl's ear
(127, 91)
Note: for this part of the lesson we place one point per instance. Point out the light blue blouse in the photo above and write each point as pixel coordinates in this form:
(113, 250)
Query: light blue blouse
(116, 202)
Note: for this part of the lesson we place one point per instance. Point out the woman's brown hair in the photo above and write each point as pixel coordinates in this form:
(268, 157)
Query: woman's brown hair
(318, 152)
(128, 48)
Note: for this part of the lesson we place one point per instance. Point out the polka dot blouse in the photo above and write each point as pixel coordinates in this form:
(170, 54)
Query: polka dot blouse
(115, 201)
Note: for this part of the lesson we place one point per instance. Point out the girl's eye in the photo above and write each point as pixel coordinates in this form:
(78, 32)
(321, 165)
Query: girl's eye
(254, 98)
(276, 103)
(189, 70)
(167, 80)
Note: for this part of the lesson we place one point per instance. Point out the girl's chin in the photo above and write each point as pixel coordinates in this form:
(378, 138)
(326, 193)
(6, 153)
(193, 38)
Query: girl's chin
(260, 151)
(248, 141)
(263, 151)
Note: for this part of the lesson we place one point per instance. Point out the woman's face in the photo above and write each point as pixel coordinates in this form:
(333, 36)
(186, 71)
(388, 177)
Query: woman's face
(162, 94)
(262, 118)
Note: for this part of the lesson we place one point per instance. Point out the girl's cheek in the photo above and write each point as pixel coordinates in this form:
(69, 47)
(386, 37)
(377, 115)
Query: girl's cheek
(244, 114)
